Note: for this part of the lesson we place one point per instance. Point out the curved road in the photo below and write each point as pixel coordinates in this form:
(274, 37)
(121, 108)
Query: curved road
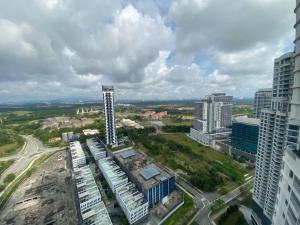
(33, 149)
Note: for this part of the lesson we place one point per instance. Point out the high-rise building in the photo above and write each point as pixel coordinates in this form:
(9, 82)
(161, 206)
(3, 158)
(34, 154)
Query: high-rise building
(109, 111)
(271, 141)
(213, 113)
(262, 100)
(212, 117)
(287, 208)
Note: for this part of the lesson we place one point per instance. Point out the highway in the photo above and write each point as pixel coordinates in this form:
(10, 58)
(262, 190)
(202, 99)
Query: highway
(33, 149)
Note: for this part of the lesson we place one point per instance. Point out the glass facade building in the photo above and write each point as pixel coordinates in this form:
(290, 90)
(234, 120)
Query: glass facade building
(245, 136)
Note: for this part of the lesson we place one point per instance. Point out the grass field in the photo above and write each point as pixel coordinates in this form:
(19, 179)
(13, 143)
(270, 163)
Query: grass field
(11, 147)
(204, 167)
(183, 214)
(4, 165)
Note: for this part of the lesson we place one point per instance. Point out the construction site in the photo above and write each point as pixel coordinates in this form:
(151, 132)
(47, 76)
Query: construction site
(44, 199)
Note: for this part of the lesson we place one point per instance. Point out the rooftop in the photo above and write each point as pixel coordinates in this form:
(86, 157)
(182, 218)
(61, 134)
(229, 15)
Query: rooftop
(98, 215)
(112, 170)
(76, 150)
(246, 120)
(131, 197)
(85, 181)
(94, 145)
(142, 168)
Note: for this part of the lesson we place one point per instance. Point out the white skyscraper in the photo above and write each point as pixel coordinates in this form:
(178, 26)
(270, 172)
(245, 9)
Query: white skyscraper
(287, 207)
(212, 117)
(109, 111)
(213, 113)
(272, 141)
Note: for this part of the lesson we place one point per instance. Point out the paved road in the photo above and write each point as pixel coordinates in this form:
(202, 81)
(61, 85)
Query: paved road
(34, 148)
(203, 200)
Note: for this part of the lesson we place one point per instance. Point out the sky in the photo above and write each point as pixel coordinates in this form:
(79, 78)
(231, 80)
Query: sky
(147, 49)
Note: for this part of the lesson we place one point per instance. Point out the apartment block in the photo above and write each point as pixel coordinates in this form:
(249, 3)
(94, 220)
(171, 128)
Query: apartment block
(272, 141)
(262, 100)
(97, 149)
(132, 202)
(109, 111)
(287, 207)
(113, 174)
(77, 154)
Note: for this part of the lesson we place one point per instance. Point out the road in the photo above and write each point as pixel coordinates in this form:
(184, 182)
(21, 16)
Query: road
(203, 201)
(33, 149)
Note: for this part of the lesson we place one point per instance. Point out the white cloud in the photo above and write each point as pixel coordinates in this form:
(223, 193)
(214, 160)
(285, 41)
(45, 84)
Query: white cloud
(158, 49)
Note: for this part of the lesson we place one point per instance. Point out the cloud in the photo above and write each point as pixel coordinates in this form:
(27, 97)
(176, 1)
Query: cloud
(147, 49)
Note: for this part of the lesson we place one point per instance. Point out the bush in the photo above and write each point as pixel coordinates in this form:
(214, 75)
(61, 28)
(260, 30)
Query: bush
(2, 187)
(9, 178)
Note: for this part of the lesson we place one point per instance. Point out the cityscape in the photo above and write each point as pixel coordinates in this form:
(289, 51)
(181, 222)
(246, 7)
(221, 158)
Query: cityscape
(108, 123)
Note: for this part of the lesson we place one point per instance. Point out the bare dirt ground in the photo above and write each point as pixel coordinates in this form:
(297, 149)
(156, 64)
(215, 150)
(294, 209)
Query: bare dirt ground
(44, 198)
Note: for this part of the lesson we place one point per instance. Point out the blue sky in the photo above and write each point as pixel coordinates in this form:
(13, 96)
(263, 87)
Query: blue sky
(154, 49)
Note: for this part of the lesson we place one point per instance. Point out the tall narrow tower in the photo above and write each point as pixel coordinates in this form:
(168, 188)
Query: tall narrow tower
(109, 111)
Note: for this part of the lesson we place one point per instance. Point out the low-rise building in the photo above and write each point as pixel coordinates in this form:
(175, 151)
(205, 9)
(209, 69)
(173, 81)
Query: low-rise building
(113, 174)
(77, 154)
(245, 134)
(97, 149)
(155, 182)
(98, 215)
(87, 189)
(154, 115)
(130, 123)
(88, 132)
(132, 202)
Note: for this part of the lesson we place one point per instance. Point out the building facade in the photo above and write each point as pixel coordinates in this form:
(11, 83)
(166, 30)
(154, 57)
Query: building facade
(271, 142)
(212, 118)
(109, 111)
(132, 202)
(245, 134)
(213, 113)
(113, 174)
(77, 154)
(155, 182)
(262, 100)
(287, 209)
(97, 149)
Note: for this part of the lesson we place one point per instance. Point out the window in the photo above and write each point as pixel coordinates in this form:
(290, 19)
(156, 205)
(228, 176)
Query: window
(289, 188)
(291, 174)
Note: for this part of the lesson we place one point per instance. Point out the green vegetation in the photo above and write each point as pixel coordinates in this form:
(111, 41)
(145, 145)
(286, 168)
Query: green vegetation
(183, 214)
(177, 120)
(123, 220)
(10, 143)
(176, 128)
(203, 167)
(9, 178)
(18, 180)
(4, 165)
(232, 216)
(241, 110)
(217, 205)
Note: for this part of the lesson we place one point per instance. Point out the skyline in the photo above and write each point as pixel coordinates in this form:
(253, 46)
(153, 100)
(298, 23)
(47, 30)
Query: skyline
(76, 48)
